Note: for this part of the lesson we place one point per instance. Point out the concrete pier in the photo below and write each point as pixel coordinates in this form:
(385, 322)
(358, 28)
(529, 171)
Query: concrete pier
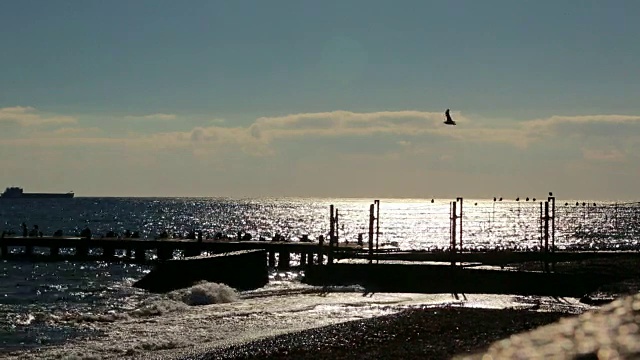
(141, 250)
(420, 278)
(242, 270)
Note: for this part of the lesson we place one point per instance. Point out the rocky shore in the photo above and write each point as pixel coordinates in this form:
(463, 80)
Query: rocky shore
(444, 333)
(429, 333)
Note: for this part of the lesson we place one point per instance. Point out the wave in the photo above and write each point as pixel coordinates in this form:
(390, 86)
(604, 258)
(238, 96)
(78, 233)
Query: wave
(204, 293)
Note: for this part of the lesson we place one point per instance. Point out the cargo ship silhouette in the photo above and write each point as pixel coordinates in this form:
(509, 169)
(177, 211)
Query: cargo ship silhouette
(18, 193)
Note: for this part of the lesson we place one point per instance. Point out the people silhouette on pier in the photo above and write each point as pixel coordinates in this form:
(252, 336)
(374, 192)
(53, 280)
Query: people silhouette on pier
(34, 232)
(85, 233)
(25, 232)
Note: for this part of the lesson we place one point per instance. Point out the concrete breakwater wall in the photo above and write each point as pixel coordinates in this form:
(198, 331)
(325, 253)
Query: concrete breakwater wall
(453, 279)
(242, 270)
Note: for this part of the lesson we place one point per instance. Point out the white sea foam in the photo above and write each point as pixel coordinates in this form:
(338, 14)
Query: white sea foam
(157, 307)
(25, 319)
(110, 316)
(205, 293)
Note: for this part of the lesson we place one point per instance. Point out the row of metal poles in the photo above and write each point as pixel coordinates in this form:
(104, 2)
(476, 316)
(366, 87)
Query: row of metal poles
(456, 215)
(374, 230)
(547, 224)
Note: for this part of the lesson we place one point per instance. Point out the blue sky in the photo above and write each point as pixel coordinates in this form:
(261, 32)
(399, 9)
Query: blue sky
(321, 98)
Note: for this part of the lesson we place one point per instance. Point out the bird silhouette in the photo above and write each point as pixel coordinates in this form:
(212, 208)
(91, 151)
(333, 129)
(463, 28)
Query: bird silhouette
(448, 120)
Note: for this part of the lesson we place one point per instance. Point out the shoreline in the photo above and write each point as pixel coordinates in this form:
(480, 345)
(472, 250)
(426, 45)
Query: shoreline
(427, 333)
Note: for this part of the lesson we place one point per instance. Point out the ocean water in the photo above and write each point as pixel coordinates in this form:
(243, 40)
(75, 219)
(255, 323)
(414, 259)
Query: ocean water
(89, 310)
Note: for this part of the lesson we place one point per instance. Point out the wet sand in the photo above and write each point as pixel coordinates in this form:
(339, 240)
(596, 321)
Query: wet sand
(430, 333)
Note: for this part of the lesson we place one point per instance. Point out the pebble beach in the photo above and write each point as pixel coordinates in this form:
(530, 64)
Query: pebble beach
(430, 333)
(446, 332)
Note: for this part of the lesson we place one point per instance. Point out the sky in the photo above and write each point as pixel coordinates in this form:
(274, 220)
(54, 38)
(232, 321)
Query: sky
(332, 98)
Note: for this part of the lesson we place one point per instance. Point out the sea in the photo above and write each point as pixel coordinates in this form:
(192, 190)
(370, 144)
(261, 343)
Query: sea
(90, 310)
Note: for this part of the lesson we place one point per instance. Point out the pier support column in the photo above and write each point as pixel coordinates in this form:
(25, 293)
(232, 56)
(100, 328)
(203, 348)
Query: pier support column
(140, 255)
(108, 253)
(165, 253)
(320, 250)
(82, 251)
(303, 259)
(54, 251)
(192, 251)
(28, 250)
(284, 260)
(310, 258)
(272, 259)
(4, 249)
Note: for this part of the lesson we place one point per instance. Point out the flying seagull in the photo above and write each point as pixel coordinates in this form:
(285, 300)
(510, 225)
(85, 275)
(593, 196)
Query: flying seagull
(449, 120)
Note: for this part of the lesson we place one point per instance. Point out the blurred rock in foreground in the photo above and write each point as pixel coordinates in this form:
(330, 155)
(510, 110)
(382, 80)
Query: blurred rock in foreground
(611, 332)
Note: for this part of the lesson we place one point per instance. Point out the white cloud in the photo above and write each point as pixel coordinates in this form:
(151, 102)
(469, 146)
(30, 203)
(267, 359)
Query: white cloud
(416, 131)
(405, 123)
(159, 117)
(584, 125)
(603, 155)
(76, 131)
(29, 116)
(338, 123)
(559, 150)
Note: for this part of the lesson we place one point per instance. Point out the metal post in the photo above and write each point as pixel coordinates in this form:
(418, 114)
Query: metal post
(552, 199)
(331, 230)
(337, 227)
(371, 220)
(541, 225)
(453, 232)
(615, 218)
(377, 203)
(460, 217)
(546, 236)
(546, 226)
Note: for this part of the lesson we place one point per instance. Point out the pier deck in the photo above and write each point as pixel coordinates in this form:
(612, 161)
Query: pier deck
(135, 249)
(386, 270)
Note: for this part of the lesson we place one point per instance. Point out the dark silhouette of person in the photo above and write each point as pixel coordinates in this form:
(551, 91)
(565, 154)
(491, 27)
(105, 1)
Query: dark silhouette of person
(24, 230)
(449, 120)
(85, 233)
